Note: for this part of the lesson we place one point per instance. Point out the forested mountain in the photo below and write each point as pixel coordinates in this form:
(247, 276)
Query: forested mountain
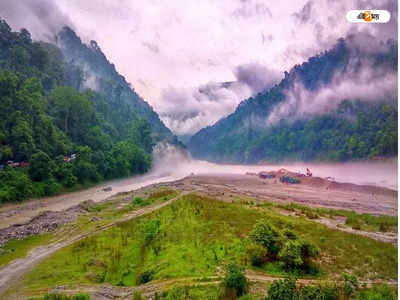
(56, 132)
(94, 71)
(324, 109)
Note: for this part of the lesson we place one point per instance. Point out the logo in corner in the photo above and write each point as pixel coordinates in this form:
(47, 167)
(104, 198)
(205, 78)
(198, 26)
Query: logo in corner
(368, 16)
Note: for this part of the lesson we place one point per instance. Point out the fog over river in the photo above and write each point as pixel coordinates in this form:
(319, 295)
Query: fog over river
(170, 164)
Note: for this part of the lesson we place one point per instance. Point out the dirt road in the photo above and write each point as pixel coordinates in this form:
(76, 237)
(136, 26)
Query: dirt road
(106, 291)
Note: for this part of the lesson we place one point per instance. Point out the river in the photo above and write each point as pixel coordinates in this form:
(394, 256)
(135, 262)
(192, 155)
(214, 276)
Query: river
(175, 166)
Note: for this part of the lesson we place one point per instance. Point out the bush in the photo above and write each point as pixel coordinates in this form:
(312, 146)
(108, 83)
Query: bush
(319, 293)
(177, 293)
(291, 255)
(15, 185)
(308, 252)
(354, 222)
(268, 236)
(52, 187)
(58, 296)
(350, 284)
(283, 290)
(138, 201)
(298, 254)
(151, 229)
(381, 292)
(146, 276)
(287, 233)
(235, 279)
(256, 254)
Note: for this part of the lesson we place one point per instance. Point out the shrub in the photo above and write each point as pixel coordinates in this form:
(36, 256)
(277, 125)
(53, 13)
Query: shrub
(138, 201)
(151, 229)
(354, 222)
(58, 296)
(235, 279)
(287, 233)
(298, 254)
(308, 252)
(268, 236)
(319, 293)
(52, 187)
(380, 292)
(350, 284)
(146, 276)
(291, 254)
(283, 290)
(256, 254)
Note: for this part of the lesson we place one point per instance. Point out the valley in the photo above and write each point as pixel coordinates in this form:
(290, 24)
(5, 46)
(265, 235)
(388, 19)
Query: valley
(182, 234)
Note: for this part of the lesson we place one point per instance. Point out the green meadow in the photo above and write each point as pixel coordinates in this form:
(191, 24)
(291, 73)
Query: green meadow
(198, 237)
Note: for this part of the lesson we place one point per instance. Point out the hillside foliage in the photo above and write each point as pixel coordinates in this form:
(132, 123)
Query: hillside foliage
(356, 129)
(55, 133)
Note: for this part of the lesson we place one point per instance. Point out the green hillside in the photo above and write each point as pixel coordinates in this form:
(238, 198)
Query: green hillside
(55, 132)
(356, 129)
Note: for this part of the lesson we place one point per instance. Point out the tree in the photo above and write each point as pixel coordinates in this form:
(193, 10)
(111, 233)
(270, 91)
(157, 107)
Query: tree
(235, 280)
(268, 236)
(256, 254)
(298, 254)
(291, 254)
(39, 166)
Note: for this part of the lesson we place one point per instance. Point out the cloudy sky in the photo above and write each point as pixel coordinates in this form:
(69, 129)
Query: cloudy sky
(192, 60)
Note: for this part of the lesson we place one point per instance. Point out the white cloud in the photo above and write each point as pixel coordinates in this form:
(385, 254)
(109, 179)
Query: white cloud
(163, 45)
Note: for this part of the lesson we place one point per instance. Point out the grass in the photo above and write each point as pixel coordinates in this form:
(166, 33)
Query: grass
(208, 292)
(14, 249)
(103, 212)
(196, 237)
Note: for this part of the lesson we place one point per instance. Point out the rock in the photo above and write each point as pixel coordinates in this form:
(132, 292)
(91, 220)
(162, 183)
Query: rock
(107, 189)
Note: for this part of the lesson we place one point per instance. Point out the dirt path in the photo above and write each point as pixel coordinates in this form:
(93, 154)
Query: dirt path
(386, 237)
(107, 291)
(12, 272)
(339, 223)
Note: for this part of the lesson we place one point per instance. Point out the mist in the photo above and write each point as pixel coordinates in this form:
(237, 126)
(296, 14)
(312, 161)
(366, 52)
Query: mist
(187, 110)
(42, 18)
(360, 79)
(172, 163)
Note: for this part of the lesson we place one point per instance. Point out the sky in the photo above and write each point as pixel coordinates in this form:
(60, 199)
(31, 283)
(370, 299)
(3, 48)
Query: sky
(194, 61)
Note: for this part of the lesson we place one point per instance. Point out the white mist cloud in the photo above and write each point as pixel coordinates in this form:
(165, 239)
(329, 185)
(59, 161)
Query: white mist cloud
(160, 46)
(367, 84)
(187, 110)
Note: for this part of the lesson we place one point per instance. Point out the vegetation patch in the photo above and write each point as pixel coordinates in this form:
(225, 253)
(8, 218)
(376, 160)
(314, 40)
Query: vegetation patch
(14, 249)
(365, 222)
(58, 296)
(198, 237)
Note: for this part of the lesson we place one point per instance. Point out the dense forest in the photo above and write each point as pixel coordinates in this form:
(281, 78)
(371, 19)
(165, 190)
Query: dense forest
(355, 129)
(56, 132)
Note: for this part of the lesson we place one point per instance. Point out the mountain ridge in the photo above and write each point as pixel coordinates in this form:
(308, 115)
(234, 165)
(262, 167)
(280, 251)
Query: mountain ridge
(233, 139)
